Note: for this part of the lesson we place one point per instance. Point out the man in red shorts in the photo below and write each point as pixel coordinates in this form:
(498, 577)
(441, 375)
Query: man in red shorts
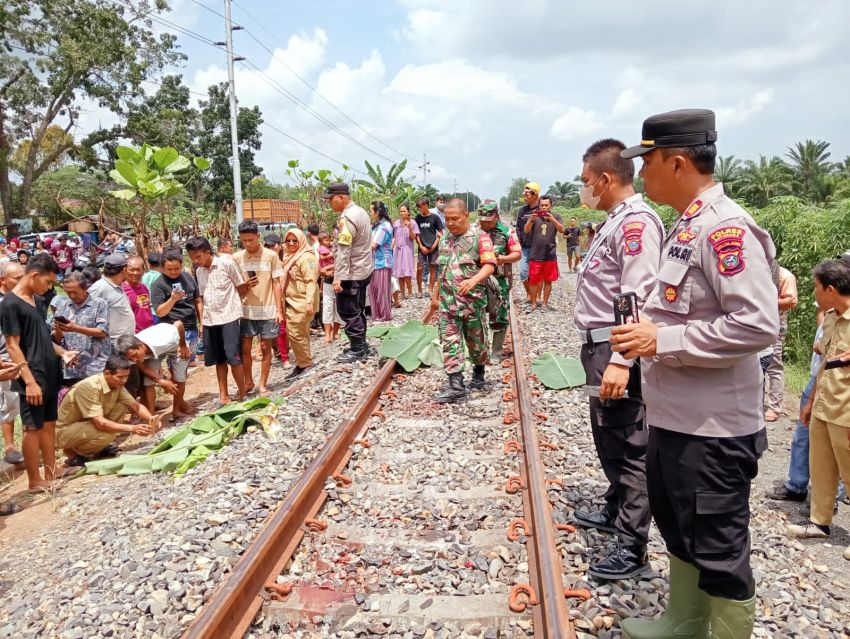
(542, 227)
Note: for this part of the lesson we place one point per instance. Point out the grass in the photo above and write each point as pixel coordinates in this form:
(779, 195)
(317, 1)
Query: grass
(796, 376)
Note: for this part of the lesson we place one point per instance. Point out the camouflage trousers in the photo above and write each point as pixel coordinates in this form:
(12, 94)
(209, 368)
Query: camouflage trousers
(468, 325)
(499, 319)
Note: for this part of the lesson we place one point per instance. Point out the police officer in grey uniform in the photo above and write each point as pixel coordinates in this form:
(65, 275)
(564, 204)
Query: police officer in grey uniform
(712, 309)
(623, 258)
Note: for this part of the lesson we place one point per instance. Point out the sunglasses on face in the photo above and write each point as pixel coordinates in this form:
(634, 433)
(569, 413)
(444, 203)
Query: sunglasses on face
(290, 241)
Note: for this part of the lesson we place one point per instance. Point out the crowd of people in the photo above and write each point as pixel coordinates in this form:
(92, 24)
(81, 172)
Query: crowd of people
(678, 327)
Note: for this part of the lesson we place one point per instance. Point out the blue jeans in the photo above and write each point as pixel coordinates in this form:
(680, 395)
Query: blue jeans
(523, 264)
(798, 467)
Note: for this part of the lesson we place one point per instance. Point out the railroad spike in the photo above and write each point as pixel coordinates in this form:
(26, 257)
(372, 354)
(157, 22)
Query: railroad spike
(512, 446)
(582, 593)
(514, 485)
(516, 604)
(513, 532)
(316, 525)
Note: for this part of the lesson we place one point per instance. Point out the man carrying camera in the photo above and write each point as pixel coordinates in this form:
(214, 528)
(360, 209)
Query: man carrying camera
(622, 259)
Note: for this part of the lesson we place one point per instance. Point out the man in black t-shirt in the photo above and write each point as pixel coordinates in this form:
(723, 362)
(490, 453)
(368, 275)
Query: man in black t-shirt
(542, 228)
(531, 194)
(573, 235)
(430, 231)
(31, 347)
(175, 298)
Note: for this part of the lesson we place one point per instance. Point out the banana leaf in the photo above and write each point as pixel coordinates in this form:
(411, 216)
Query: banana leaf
(558, 372)
(432, 354)
(192, 443)
(407, 343)
(382, 331)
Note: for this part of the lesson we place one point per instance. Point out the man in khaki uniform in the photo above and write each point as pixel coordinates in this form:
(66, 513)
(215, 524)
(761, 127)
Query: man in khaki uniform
(712, 310)
(90, 414)
(622, 259)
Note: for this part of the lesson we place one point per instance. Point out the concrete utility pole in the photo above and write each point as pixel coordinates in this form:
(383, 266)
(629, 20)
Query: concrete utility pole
(234, 137)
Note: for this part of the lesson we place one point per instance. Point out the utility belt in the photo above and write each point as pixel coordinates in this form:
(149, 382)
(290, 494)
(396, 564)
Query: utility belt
(595, 335)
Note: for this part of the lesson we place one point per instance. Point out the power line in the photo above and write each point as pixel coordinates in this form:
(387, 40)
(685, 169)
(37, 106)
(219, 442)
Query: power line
(314, 150)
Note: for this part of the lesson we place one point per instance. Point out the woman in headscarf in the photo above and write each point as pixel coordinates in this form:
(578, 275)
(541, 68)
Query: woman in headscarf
(380, 286)
(300, 273)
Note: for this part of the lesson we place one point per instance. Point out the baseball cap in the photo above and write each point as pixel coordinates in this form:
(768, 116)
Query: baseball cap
(271, 239)
(116, 259)
(532, 186)
(337, 188)
(488, 210)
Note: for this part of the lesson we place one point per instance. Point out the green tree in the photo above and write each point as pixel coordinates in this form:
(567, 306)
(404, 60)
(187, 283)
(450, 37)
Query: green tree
(57, 54)
(728, 170)
(810, 164)
(164, 118)
(764, 180)
(565, 193)
(513, 199)
(213, 141)
(387, 186)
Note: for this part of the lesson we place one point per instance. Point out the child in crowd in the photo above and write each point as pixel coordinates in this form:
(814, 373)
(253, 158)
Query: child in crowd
(330, 318)
(827, 413)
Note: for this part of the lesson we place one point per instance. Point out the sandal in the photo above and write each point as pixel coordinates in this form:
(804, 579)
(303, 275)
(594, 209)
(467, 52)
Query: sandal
(110, 451)
(9, 508)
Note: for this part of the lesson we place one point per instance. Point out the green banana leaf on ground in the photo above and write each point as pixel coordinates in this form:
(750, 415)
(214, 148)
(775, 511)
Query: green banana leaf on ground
(558, 372)
(411, 345)
(193, 443)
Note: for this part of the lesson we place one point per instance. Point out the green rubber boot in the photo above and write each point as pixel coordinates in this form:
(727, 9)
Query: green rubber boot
(688, 611)
(731, 619)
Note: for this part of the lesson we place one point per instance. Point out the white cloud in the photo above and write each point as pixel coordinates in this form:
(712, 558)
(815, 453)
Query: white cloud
(456, 80)
(575, 124)
(745, 109)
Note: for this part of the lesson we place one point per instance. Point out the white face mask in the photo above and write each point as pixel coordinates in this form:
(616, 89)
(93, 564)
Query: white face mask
(441, 207)
(586, 196)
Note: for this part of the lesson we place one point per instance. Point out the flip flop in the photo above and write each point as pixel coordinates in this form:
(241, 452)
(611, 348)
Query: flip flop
(9, 508)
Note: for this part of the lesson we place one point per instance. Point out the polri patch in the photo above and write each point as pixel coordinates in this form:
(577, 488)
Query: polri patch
(680, 252)
(686, 237)
(693, 209)
(633, 237)
(671, 294)
(728, 243)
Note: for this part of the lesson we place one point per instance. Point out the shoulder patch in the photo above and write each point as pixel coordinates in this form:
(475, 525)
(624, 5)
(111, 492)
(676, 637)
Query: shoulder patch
(686, 236)
(633, 237)
(671, 294)
(345, 237)
(728, 244)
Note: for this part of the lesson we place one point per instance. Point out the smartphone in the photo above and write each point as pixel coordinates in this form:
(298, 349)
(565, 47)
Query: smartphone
(18, 366)
(61, 320)
(835, 363)
(177, 287)
(252, 274)
(626, 309)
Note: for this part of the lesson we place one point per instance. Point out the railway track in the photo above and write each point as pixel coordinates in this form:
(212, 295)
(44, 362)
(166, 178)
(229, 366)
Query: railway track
(413, 518)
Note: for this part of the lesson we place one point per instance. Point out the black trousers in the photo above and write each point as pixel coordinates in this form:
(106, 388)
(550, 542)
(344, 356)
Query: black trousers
(620, 436)
(351, 306)
(699, 491)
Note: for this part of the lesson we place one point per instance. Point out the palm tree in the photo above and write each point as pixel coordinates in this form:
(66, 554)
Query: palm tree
(565, 193)
(762, 181)
(728, 170)
(810, 163)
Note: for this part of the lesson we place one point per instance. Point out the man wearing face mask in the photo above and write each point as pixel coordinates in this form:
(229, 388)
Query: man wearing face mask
(623, 258)
(712, 310)
(531, 193)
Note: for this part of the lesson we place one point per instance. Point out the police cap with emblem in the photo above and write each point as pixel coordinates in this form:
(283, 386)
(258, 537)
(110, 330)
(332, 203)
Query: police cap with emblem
(685, 127)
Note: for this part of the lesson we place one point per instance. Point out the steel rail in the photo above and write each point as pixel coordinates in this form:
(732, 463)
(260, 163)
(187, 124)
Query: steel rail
(545, 563)
(234, 605)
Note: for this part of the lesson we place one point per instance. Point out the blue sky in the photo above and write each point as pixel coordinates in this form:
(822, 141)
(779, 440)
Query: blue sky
(495, 89)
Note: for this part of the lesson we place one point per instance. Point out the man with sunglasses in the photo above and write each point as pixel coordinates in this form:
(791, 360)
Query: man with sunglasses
(353, 267)
(531, 193)
(622, 259)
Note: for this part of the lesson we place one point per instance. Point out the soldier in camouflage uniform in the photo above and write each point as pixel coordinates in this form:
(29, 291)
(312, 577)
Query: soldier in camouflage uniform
(466, 260)
(507, 248)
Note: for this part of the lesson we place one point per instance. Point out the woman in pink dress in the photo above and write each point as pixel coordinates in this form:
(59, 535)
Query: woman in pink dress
(405, 231)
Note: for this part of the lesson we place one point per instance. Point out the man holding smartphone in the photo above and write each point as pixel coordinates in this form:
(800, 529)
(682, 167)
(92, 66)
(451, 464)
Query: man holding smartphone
(542, 226)
(262, 307)
(712, 310)
(623, 259)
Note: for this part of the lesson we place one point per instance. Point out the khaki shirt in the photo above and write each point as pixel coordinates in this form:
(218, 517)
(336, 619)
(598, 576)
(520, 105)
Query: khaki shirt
(353, 245)
(624, 260)
(92, 397)
(301, 286)
(259, 303)
(832, 397)
(715, 305)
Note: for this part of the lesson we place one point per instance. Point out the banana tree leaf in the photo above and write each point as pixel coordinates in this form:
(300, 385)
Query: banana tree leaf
(169, 459)
(558, 372)
(198, 455)
(383, 331)
(406, 345)
(138, 466)
(432, 354)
